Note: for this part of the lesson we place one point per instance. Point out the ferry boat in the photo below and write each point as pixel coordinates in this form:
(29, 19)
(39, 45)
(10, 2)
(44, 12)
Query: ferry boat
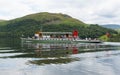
(58, 37)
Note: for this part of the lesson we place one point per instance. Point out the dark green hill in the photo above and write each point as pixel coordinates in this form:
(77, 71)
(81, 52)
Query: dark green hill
(30, 24)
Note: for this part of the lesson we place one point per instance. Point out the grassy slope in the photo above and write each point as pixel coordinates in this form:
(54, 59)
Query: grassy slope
(29, 24)
(50, 18)
(3, 22)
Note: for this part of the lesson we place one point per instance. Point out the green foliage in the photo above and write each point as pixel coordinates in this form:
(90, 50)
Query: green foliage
(104, 38)
(118, 30)
(115, 38)
(30, 24)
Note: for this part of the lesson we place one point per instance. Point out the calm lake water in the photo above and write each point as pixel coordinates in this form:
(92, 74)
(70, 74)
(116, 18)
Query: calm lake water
(18, 58)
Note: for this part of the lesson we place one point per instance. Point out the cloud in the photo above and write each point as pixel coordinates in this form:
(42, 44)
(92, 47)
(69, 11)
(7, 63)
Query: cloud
(10, 10)
(89, 11)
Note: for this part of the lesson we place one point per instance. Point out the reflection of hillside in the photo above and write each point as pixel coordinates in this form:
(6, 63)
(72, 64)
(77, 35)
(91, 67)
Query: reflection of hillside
(54, 53)
(49, 50)
(59, 50)
(79, 47)
(38, 50)
(53, 61)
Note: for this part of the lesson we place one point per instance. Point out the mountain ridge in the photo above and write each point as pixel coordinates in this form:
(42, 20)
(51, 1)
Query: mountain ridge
(111, 26)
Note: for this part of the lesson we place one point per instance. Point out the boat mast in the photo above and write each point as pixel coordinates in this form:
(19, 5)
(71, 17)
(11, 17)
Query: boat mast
(41, 28)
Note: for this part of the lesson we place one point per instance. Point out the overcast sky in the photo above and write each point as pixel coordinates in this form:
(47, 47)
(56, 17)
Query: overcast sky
(88, 11)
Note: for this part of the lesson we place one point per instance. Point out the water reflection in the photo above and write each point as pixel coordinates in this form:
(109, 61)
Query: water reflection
(55, 50)
(59, 53)
(51, 53)
(58, 59)
(53, 61)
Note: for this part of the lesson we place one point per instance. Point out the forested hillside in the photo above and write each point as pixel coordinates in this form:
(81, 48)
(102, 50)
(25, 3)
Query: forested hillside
(30, 24)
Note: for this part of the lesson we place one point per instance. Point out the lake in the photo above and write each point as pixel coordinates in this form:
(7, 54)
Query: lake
(17, 58)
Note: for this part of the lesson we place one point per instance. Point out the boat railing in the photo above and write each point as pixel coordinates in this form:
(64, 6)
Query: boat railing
(54, 39)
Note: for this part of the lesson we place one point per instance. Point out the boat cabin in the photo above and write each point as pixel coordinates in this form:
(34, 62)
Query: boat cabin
(53, 35)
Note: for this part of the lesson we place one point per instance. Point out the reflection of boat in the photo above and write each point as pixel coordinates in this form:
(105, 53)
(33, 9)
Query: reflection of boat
(48, 47)
(58, 37)
(72, 48)
(88, 41)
